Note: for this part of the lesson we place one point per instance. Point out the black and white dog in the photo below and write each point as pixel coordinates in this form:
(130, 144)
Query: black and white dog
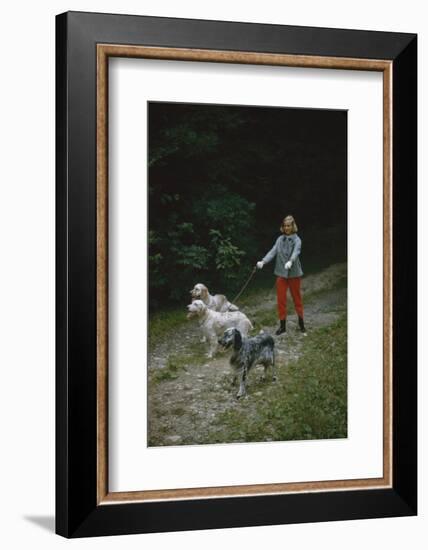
(247, 352)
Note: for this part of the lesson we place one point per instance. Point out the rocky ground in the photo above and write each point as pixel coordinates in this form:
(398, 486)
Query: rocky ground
(189, 394)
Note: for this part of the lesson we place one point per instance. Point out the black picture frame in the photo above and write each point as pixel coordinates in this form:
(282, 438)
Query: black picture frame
(78, 513)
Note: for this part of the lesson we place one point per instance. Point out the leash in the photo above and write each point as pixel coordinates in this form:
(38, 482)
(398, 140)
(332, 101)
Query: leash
(245, 285)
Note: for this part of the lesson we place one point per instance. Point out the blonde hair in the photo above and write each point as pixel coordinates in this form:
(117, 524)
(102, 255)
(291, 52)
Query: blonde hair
(288, 219)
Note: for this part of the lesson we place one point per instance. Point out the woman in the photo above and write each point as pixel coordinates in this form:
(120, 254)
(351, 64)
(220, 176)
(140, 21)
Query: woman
(288, 271)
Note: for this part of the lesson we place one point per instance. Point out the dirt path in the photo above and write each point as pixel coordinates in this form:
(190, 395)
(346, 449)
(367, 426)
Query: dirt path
(187, 391)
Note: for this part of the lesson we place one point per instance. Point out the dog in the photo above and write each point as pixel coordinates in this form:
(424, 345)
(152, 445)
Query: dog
(218, 302)
(214, 323)
(248, 352)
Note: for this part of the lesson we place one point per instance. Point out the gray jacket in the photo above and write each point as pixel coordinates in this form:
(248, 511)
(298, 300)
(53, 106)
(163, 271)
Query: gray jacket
(286, 247)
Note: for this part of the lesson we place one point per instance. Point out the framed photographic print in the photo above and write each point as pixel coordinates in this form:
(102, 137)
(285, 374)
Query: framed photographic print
(236, 274)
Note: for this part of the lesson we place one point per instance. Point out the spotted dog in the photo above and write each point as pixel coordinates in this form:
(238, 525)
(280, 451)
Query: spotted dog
(247, 352)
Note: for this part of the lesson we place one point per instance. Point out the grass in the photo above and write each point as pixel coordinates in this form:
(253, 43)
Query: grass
(179, 362)
(264, 319)
(165, 322)
(309, 400)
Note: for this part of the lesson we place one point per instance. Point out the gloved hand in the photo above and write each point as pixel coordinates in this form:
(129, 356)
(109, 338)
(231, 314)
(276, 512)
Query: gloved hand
(260, 265)
(288, 264)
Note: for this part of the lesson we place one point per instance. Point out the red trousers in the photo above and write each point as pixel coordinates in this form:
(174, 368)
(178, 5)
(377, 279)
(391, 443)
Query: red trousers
(282, 285)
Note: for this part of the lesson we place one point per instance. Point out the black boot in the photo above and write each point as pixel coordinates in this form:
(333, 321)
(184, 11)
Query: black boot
(301, 325)
(281, 328)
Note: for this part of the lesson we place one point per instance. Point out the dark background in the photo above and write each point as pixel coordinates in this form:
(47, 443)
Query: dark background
(222, 178)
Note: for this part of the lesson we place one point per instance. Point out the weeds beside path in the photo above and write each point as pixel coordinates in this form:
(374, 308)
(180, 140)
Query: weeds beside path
(190, 398)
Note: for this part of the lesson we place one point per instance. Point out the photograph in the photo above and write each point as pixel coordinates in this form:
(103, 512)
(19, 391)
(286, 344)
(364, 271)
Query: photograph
(231, 274)
(247, 273)
(212, 291)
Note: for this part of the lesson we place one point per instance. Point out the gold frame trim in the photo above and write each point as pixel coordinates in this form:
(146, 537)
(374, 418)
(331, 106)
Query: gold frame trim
(104, 51)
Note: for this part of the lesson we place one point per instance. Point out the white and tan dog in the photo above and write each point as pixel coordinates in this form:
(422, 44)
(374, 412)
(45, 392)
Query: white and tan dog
(216, 302)
(214, 323)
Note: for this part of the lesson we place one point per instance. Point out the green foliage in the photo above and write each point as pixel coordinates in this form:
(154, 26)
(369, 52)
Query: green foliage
(190, 141)
(188, 136)
(208, 249)
(209, 166)
(220, 208)
(227, 255)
